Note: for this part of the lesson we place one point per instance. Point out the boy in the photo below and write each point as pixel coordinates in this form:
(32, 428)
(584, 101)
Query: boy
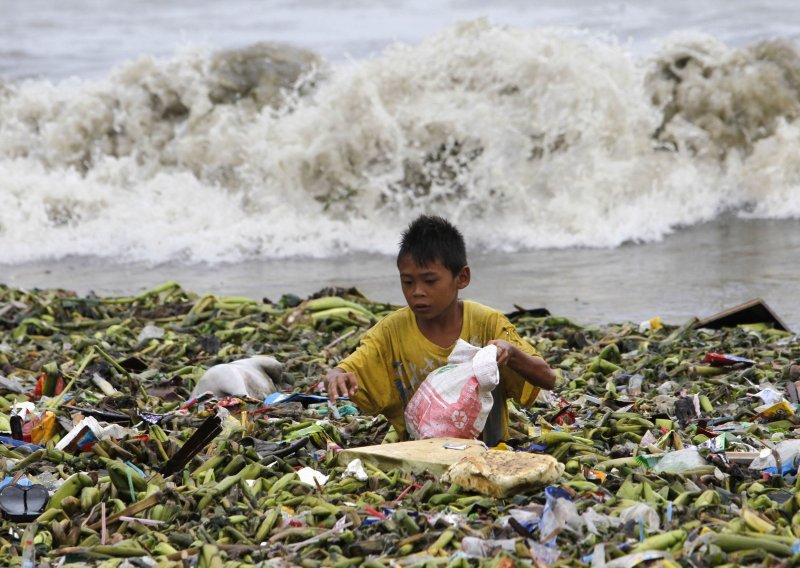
(398, 353)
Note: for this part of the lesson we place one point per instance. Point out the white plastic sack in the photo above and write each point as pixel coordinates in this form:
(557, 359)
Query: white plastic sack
(455, 400)
(788, 451)
(253, 377)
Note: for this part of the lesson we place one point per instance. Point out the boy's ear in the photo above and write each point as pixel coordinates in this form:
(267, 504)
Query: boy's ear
(463, 277)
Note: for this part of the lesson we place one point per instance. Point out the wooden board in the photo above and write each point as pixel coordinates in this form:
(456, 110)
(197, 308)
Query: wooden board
(417, 456)
(753, 311)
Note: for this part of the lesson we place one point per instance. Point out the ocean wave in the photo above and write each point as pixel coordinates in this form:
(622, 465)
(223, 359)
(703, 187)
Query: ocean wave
(526, 139)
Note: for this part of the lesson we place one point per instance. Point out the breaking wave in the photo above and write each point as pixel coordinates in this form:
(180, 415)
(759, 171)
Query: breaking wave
(526, 139)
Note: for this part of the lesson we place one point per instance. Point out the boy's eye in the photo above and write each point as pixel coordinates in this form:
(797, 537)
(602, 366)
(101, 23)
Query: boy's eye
(430, 281)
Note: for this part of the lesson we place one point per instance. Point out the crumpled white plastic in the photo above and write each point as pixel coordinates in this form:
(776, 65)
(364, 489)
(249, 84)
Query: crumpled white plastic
(770, 396)
(483, 548)
(100, 430)
(253, 377)
(312, 477)
(642, 511)
(597, 522)
(150, 332)
(562, 514)
(356, 469)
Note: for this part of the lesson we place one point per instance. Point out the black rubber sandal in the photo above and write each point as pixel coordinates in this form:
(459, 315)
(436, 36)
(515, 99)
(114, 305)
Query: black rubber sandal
(23, 503)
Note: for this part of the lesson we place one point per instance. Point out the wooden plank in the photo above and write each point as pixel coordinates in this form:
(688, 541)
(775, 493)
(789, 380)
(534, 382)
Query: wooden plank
(434, 455)
(752, 311)
(743, 458)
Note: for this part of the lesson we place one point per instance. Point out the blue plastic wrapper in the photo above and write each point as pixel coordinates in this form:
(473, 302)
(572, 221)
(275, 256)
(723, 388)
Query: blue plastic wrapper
(24, 481)
(549, 524)
(304, 399)
(8, 441)
(152, 417)
(534, 448)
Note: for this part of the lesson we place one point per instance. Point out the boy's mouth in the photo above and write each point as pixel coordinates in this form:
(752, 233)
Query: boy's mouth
(421, 307)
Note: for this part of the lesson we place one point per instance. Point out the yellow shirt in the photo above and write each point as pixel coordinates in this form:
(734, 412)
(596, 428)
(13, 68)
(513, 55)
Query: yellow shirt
(394, 357)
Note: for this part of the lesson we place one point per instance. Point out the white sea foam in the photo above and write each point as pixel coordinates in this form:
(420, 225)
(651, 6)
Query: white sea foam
(526, 139)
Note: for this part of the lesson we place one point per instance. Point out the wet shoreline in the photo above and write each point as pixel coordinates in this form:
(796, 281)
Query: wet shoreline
(694, 272)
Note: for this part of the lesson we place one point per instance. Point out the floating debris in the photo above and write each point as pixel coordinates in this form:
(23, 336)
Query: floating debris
(678, 444)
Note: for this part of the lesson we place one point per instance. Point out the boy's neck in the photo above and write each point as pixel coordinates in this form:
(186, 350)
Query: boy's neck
(444, 329)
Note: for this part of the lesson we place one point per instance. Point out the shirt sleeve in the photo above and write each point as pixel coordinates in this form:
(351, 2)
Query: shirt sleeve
(515, 386)
(367, 362)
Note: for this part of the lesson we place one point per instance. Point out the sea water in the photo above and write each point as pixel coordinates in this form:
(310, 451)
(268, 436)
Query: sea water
(611, 160)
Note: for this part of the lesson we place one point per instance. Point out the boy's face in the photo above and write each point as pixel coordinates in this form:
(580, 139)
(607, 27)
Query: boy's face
(432, 289)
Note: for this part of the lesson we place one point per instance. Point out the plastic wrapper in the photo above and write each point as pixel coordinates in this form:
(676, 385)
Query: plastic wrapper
(680, 461)
(643, 512)
(560, 513)
(486, 548)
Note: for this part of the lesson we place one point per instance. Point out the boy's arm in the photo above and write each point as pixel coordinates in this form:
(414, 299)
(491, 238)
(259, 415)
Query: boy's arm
(533, 369)
(362, 376)
(339, 382)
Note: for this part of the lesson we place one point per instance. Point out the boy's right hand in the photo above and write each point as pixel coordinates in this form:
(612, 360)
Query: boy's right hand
(340, 383)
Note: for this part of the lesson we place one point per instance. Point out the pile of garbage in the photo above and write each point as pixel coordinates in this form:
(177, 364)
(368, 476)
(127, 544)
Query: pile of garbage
(676, 444)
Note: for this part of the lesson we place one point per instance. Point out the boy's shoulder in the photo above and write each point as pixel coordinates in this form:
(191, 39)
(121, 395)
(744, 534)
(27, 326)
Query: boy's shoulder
(398, 319)
(477, 311)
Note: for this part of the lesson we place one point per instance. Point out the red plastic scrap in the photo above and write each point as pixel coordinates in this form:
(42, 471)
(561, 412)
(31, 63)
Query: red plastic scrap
(724, 360)
(229, 402)
(38, 390)
(374, 512)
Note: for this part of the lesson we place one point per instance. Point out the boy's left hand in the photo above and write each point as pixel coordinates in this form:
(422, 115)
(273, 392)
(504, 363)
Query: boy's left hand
(504, 351)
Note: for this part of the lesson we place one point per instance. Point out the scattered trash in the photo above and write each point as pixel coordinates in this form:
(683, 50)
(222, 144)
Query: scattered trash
(653, 324)
(559, 513)
(659, 454)
(88, 431)
(482, 548)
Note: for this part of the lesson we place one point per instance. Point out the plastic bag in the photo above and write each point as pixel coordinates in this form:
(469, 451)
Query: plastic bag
(251, 377)
(559, 513)
(643, 512)
(486, 548)
(789, 453)
(455, 400)
(596, 523)
(680, 461)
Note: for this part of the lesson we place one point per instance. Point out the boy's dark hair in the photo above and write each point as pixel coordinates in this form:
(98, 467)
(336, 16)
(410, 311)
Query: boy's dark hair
(430, 238)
